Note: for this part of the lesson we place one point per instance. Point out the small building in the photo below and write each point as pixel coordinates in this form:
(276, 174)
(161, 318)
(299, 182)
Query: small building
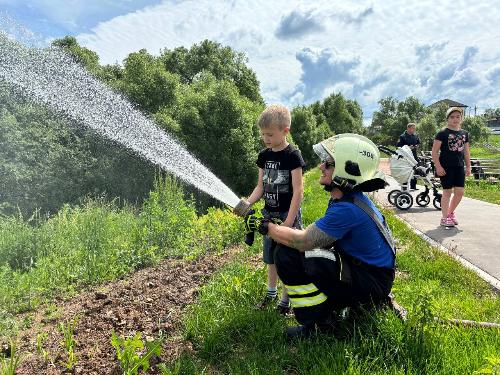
(450, 103)
(494, 124)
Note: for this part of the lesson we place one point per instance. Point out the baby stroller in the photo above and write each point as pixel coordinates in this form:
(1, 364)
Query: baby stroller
(403, 168)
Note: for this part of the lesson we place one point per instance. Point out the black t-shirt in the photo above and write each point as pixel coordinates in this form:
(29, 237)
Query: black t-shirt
(277, 180)
(407, 139)
(452, 147)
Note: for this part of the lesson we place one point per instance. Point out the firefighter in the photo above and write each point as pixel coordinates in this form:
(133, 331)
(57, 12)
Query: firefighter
(347, 257)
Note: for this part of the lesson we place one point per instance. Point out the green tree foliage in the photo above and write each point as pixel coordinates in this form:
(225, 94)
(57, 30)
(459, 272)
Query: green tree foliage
(217, 124)
(223, 62)
(307, 132)
(477, 128)
(491, 113)
(390, 121)
(46, 161)
(84, 56)
(320, 120)
(439, 113)
(205, 96)
(427, 130)
(342, 115)
(146, 82)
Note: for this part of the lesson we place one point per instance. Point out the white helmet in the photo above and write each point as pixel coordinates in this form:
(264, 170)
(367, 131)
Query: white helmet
(356, 161)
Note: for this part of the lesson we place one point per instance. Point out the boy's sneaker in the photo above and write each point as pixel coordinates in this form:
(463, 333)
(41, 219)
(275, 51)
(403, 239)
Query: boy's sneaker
(283, 309)
(266, 301)
(453, 218)
(447, 222)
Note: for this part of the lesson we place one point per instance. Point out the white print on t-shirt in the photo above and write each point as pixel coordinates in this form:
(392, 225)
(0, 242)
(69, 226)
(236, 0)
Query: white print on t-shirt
(275, 181)
(456, 142)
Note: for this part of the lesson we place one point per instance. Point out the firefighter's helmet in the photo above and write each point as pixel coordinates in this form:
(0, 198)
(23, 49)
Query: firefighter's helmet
(356, 161)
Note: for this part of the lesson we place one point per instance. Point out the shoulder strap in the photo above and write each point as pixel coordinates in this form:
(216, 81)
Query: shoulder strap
(382, 226)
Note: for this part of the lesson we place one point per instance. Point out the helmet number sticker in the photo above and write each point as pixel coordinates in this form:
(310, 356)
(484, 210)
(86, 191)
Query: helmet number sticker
(367, 154)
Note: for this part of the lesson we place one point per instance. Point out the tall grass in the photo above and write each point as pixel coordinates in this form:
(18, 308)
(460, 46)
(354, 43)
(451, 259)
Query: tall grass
(99, 241)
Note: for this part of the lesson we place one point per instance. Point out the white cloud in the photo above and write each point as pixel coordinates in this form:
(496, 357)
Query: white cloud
(369, 51)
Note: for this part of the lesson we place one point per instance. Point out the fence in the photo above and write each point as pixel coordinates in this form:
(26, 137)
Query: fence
(482, 169)
(486, 169)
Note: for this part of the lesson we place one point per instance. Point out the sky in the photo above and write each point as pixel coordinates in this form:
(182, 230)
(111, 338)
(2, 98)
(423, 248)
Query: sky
(302, 51)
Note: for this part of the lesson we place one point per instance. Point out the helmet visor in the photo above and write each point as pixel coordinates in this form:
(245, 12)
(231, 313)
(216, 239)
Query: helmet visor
(321, 152)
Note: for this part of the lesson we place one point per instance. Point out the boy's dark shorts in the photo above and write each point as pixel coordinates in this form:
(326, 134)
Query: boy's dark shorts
(454, 177)
(268, 254)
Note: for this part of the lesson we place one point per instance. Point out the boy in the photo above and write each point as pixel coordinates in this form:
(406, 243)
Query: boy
(453, 145)
(280, 183)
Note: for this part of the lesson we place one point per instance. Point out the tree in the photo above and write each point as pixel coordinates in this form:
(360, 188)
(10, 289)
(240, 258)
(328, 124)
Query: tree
(84, 56)
(307, 131)
(342, 116)
(476, 126)
(391, 120)
(222, 62)
(47, 161)
(491, 113)
(218, 125)
(146, 82)
(427, 130)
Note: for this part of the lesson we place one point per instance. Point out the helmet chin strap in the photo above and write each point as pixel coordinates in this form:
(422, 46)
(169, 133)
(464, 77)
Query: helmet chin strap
(340, 183)
(329, 187)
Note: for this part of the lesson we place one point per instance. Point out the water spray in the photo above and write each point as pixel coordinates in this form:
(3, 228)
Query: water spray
(49, 76)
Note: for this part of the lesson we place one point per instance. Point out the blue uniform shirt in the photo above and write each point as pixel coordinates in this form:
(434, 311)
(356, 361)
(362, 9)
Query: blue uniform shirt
(356, 232)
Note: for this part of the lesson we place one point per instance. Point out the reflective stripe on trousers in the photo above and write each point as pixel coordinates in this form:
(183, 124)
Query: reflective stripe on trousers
(305, 295)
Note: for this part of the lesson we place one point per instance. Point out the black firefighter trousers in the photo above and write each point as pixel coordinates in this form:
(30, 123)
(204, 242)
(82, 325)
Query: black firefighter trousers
(320, 282)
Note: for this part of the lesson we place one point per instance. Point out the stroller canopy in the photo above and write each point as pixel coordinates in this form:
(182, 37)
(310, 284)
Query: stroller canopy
(402, 163)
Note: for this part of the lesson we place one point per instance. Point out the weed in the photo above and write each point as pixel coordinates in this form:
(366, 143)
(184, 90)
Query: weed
(128, 352)
(40, 339)
(9, 365)
(67, 329)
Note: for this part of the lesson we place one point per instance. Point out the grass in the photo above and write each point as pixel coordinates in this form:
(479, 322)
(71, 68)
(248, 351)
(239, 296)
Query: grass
(41, 258)
(230, 337)
(100, 242)
(482, 190)
(480, 152)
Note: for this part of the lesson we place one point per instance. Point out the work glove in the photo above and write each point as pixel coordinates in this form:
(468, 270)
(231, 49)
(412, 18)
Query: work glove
(254, 223)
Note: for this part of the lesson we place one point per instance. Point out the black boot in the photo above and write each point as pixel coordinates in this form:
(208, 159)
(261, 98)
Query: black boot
(300, 332)
(327, 326)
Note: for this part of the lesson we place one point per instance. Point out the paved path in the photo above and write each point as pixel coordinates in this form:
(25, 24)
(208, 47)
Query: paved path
(476, 239)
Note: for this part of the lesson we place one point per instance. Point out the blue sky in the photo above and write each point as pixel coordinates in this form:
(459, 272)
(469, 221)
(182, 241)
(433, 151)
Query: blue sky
(303, 51)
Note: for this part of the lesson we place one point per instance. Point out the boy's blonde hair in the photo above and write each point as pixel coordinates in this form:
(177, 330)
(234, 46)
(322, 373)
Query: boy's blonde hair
(275, 114)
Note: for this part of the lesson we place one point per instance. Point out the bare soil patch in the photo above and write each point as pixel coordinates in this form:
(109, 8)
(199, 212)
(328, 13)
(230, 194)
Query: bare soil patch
(147, 301)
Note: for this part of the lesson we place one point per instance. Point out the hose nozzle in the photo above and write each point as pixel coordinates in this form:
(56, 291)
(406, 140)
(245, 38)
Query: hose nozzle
(242, 208)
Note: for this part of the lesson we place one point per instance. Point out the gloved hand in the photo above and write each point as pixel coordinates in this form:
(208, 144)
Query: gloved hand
(254, 223)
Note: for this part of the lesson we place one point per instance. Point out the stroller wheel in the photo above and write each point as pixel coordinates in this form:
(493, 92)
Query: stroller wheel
(437, 202)
(404, 201)
(423, 199)
(391, 197)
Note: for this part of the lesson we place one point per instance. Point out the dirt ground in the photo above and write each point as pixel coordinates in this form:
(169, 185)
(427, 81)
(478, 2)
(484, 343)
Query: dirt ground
(148, 301)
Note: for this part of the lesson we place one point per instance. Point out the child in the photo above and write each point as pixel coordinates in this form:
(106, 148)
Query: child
(280, 183)
(453, 145)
